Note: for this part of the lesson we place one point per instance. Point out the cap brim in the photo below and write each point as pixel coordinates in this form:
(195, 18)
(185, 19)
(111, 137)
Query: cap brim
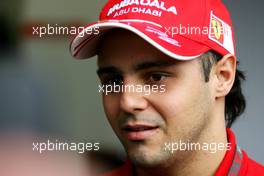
(85, 44)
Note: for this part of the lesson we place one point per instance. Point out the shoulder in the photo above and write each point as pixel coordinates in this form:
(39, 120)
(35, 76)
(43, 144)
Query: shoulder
(255, 168)
(251, 167)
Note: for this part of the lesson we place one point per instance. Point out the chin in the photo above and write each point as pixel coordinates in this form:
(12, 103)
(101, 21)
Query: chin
(147, 157)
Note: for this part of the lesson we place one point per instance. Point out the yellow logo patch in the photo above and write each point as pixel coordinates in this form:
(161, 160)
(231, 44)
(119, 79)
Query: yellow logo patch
(217, 30)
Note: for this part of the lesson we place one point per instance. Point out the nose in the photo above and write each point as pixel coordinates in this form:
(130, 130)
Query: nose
(132, 101)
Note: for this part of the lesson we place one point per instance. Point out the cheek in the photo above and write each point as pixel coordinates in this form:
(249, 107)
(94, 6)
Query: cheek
(111, 106)
(182, 105)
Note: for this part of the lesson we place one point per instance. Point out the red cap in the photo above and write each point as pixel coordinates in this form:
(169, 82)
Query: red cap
(182, 29)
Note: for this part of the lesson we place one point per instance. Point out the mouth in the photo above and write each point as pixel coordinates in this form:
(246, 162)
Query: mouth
(139, 132)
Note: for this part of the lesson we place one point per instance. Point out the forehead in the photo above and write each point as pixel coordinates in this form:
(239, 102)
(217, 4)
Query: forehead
(119, 47)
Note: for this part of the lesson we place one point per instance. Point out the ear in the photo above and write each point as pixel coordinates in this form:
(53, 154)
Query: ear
(225, 72)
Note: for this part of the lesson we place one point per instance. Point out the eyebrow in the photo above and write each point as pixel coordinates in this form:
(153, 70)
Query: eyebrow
(137, 67)
(108, 70)
(154, 64)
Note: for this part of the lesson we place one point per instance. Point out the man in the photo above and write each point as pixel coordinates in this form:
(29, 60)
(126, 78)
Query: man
(171, 88)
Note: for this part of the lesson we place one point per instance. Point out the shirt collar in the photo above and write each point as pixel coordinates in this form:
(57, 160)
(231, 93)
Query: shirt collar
(232, 161)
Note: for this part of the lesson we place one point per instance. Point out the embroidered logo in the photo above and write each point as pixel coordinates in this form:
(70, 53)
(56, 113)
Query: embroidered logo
(221, 33)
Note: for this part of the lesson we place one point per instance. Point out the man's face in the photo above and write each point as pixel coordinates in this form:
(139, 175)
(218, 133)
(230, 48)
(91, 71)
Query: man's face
(144, 123)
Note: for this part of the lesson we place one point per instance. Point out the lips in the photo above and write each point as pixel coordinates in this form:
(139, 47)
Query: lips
(138, 132)
(138, 127)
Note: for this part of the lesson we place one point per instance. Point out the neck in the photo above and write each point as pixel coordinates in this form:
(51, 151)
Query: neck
(197, 162)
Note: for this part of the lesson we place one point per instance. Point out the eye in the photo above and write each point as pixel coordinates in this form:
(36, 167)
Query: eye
(157, 77)
(112, 80)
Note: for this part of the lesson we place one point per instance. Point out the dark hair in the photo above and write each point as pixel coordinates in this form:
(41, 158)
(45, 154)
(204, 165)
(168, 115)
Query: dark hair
(235, 102)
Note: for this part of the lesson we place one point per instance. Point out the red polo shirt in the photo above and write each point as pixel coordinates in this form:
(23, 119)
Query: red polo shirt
(235, 163)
